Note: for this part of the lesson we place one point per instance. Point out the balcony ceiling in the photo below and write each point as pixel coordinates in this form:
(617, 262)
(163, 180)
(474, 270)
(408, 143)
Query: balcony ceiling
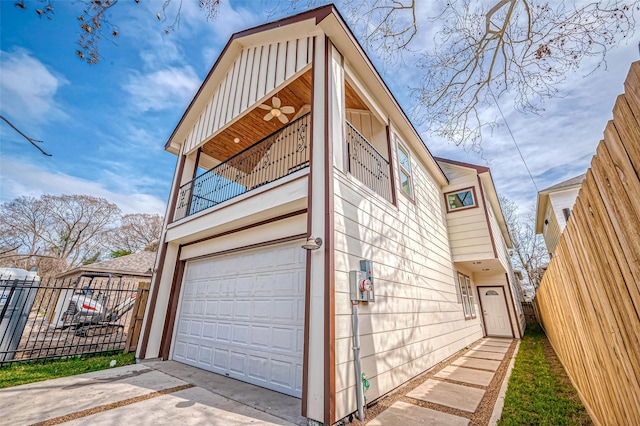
(252, 128)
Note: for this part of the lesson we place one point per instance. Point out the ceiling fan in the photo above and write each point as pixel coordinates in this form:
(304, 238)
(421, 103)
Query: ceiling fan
(277, 110)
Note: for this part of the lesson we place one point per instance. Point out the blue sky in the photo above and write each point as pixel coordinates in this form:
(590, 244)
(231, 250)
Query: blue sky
(106, 124)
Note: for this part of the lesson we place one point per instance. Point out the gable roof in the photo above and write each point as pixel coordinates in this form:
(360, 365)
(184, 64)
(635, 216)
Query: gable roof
(138, 264)
(328, 20)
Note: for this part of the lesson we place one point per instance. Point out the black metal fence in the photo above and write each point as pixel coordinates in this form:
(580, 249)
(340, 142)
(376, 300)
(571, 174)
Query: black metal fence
(64, 317)
(276, 156)
(367, 164)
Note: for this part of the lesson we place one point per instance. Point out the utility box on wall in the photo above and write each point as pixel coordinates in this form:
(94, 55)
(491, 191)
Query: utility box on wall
(361, 283)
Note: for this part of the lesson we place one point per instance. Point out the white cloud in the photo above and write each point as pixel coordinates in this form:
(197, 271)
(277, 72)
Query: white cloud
(162, 89)
(28, 88)
(26, 179)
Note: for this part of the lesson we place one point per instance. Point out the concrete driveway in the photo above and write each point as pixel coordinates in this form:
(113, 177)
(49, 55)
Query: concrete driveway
(149, 393)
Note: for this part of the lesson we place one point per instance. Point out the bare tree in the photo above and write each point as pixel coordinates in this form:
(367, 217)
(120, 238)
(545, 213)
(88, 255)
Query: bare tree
(60, 231)
(529, 251)
(95, 24)
(521, 47)
(484, 50)
(137, 232)
(77, 226)
(22, 222)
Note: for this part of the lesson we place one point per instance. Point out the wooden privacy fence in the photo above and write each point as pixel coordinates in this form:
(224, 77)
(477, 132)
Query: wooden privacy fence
(589, 298)
(135, 326)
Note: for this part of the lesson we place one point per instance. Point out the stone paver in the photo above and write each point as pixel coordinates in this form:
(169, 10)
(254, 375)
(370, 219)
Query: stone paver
(496, 349)
(498, 340)
(448, 394)
(485, 364)
(194, 406)
(401, 413)
(484, 355)
(37, 402)
(466, 375)
(498, 344)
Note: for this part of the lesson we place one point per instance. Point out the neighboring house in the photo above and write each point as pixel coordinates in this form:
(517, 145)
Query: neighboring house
(136, 265)
(294, 140)
(554, 208)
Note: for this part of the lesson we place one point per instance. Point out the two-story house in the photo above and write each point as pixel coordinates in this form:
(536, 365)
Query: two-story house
(554, 208)
(306, 211)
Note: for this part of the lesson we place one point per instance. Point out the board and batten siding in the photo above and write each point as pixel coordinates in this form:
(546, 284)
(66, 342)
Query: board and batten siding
(416, 320)
(468, 230)
(256, 71)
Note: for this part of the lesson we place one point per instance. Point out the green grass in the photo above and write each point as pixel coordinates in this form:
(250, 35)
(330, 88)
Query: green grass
(20, 373)
(539, 391)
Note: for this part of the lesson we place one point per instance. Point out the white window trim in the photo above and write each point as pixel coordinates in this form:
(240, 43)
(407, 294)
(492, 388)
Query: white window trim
(467, 299)
(401, 169)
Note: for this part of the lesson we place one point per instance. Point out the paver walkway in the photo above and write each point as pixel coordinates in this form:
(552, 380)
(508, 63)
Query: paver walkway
(453, 395)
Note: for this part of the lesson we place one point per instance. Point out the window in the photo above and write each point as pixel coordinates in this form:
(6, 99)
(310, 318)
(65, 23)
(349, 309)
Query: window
(566, 213)
(404, 163)
(461, 199)
(466, 291)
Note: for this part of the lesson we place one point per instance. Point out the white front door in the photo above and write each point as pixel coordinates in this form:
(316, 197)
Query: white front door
(494, 309)
(242, 315)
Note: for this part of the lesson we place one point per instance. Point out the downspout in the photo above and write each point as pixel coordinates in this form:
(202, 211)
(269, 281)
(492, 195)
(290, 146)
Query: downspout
(356, 360)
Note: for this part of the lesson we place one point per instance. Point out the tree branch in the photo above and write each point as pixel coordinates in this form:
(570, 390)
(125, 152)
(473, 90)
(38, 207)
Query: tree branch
(31, 140)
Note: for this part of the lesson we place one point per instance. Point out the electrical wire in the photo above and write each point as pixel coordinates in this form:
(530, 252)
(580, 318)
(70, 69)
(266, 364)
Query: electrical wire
(514, 141)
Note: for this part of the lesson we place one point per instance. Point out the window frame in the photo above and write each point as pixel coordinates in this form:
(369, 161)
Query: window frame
(467, 298)
(472, 189)
(566, 213)
(400, 148)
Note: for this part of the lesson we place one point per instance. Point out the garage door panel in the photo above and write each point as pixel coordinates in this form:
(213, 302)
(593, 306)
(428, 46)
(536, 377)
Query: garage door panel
(242, 315)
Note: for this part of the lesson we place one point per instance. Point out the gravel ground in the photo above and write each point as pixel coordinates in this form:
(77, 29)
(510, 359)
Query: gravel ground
(479, 418)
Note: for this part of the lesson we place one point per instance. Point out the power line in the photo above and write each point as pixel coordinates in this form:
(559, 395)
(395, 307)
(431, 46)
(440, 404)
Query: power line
(514, 141)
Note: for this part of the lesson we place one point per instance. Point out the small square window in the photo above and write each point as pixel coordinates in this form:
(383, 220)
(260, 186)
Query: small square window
(566, 213)
(404, 163)
(460, 200)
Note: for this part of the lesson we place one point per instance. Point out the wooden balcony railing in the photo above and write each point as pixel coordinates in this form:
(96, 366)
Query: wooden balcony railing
(274, 157)
(367, 164)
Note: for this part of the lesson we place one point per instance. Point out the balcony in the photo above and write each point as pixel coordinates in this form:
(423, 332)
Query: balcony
(274, 157)
(367, 164)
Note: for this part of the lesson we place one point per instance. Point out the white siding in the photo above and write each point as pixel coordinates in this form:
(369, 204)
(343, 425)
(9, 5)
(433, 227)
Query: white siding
(563, 200)
(416, 320)
(551, 230)
(468, 231)
(256, 71)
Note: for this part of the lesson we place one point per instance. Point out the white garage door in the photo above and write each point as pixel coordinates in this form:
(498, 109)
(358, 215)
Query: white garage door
(242, 315)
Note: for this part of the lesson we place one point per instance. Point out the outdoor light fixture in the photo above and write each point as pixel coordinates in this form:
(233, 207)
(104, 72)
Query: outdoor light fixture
(236, 140)
(312, 243)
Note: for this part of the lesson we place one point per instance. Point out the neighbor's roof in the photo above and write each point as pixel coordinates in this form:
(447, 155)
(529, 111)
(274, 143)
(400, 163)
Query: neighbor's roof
(543, 198)
(569, 183)
(140, 263)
